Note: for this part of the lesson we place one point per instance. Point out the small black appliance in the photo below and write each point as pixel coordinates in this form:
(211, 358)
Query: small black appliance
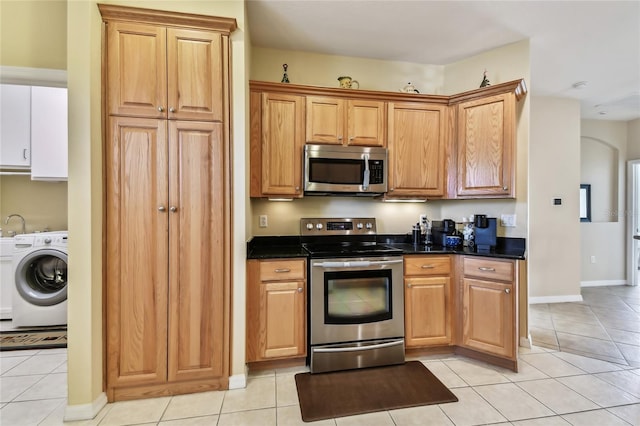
(485, 232)
(441, 229)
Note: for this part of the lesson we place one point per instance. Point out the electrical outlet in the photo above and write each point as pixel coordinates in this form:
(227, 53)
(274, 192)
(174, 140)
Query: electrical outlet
(593, 259)
(263, 221)
(508, 220)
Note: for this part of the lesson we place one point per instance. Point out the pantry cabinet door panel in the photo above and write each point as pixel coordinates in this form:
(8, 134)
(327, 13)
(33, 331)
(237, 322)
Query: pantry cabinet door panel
(137, 267)
(137, 70)
(197, 254)
(195, 80)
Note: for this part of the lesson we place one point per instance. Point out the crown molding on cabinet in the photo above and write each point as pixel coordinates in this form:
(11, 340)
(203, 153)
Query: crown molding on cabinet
(33, 76)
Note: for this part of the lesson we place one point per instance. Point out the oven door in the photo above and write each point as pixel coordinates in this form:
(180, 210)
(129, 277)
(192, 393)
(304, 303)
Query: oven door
(356, 299)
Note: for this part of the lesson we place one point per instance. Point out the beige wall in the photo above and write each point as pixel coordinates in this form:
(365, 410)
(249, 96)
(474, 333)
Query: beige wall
(42, 204)
(554, 172)
(605, 237)
(323, 70)
(40, 44)
(33, 33)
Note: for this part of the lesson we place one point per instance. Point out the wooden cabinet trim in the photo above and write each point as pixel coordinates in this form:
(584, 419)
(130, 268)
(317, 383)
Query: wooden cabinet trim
(162, 17)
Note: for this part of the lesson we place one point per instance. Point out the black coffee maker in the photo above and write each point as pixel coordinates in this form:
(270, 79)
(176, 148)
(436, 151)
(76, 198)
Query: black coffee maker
(440, 229)
(485, 232)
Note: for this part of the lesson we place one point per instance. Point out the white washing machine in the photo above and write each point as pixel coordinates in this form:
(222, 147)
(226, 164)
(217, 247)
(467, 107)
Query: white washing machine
(40, 271)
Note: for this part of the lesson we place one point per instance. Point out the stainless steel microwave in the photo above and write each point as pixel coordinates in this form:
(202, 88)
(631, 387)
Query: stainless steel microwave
(345, 170)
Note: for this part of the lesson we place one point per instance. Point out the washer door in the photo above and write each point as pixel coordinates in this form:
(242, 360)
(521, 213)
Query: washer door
(41, 277)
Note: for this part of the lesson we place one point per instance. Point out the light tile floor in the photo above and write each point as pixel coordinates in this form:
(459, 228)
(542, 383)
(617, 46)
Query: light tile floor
(584, 370)
(552, 388)
(606, 325)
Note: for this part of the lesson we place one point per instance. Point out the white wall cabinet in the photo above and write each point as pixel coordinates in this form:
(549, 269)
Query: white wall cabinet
(15, 126)
(49, 134)
(34, 133)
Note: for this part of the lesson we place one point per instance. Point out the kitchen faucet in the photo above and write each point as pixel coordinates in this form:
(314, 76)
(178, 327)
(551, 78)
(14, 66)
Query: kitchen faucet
(24, 229)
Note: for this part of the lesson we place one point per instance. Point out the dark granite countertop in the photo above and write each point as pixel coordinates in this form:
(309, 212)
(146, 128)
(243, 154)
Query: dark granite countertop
(267, 247)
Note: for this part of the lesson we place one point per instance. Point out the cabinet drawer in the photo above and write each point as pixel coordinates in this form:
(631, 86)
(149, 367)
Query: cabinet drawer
(501, 270)
(278, 270)
(427, 265)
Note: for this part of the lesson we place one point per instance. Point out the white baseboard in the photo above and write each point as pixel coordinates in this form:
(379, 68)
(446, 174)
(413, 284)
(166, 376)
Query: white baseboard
(525, 342)
(555, 299)
(238, 381)
(602, 283)
(85, 411)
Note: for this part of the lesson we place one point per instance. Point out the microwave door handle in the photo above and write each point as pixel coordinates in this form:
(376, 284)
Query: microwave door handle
(365, 181)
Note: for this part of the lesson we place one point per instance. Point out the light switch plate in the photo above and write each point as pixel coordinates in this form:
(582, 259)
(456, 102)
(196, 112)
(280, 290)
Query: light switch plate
(508, 220)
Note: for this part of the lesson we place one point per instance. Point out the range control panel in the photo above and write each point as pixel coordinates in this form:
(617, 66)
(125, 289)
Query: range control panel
(340, 226)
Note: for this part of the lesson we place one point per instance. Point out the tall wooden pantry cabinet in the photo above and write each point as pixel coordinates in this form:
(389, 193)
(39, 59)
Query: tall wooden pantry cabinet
(167, 202)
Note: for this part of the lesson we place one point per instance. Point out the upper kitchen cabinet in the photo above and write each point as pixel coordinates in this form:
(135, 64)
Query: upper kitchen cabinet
(417, 149)
(338, 121)
(277, 140)
(486, 142)
(15, 126)
(49, 133)
(158, 71)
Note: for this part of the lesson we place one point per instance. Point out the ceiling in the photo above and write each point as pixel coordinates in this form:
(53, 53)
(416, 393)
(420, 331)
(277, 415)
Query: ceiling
(597, 42)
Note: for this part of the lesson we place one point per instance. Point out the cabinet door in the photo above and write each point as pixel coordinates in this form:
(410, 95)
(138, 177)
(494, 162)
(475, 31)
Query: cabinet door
(282, 144)
(194, 63)
(15, 126)
(486, 147)
(366, 123)
(197, 268)
(427, 311)
(137, 255)
(136, 70)
(282, 314)
(49, 133)
(488, 317)
(325, 120)
(416, 150)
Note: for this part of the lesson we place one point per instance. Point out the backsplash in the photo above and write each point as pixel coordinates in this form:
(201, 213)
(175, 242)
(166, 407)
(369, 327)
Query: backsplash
(283, 217)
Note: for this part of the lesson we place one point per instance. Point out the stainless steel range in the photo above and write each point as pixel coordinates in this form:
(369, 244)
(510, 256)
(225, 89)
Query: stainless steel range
(356, 299)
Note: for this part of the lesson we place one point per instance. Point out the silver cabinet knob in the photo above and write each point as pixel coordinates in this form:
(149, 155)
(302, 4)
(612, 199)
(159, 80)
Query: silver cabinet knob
(300, 290)
(504, 188)
(408, 285)
(162, 209)
(161, 108)
(506, 290)
(173, 209)
(172, 109)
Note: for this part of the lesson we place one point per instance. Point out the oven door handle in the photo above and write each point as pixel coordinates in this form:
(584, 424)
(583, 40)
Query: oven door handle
(360, 348)
(356, 263)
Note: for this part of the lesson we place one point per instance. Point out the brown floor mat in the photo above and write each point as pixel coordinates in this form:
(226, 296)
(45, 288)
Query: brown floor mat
(346, 393)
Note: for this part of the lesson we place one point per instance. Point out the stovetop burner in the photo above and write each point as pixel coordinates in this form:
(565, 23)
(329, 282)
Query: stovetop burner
(351, 237)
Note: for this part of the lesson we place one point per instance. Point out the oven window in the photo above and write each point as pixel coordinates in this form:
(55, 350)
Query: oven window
(357, 297)
(338, 171)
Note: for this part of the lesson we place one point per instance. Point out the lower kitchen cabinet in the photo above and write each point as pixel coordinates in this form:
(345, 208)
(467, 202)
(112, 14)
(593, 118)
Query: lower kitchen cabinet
(489, 297)
(427, 296)
(276, 309)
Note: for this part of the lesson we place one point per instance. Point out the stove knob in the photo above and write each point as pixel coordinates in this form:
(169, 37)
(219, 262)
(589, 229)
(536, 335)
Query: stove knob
(359, 226)
(309, 226)
(369, 225)
(319, 226)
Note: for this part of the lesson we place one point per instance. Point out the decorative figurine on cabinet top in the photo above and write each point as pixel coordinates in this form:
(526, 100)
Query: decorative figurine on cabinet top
(485, 80)
(285, 77)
